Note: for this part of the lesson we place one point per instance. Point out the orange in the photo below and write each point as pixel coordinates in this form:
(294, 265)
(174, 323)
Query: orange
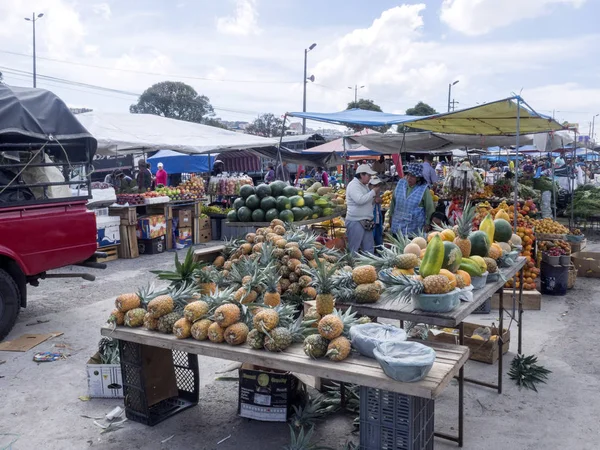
(431, 235)
(465, 276)
(451, 277)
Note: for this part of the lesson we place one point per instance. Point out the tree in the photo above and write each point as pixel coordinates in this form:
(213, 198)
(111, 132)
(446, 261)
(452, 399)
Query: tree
(215, 122)
(1, 78)
(175, 100)
(420, 109)
(266, 125)
(370, 105)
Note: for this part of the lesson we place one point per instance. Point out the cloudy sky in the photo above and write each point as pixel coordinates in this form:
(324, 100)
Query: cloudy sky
(247, 55)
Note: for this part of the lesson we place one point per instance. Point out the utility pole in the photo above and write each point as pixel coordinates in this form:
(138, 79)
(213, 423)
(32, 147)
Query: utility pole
(356, 88)
(306, 50)
(454, 103)
(450, 92)
(33, 19)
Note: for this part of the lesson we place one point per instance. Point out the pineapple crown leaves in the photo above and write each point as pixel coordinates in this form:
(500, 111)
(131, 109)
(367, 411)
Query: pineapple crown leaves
(149, 292)
(231, 245)
(271, 280)
(182, 294)
(218, 297)
(399, 287)
(184, 272)
(348, 258)
(397, 240)
(348, 318)
(465, 222)
(322, 276)
(108, 350)
(527, 373)
(386, 259)
(316, 408)
(301, 441)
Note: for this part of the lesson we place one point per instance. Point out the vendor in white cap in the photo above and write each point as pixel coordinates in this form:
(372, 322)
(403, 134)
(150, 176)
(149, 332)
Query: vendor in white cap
(359, 215)
(412, 204)
(161, 175)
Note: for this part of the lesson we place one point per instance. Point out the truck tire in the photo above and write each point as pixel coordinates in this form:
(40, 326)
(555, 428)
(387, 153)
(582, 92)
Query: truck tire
(9, 303)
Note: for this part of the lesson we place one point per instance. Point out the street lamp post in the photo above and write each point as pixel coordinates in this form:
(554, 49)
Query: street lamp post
(450, 92)
(356, 88)
(306, 50)
(592, 142)
(33, 19)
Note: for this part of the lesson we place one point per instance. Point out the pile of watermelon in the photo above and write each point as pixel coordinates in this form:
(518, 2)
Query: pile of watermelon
(277, 200)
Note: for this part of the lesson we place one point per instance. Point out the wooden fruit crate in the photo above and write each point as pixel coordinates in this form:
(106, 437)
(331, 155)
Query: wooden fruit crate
(532, 300)
(111, 253)
(128, 248)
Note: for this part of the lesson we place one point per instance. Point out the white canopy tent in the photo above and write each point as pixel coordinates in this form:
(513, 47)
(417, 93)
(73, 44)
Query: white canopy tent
(131, 133)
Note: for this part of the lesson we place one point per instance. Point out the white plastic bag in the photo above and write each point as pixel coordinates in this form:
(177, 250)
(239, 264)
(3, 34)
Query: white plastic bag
(365, 337)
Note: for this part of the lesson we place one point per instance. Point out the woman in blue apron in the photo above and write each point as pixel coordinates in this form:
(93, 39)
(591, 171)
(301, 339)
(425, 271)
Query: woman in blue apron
(377, 215)
(412, 205)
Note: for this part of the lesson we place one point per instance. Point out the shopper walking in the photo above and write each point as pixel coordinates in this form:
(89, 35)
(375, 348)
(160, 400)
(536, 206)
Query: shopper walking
(161, 175)
(412, 205)
(282, 173)
(144, 177)
(429, 172)
(270, 176)
(377, 214)
(359, 215)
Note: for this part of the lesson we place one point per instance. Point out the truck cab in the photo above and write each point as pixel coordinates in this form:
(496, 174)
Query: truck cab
(44, 221)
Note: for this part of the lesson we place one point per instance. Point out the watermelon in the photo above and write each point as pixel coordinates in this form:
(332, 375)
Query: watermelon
(277, 188)
(263, 190)
(309, 200)
(297, 201)
(283, 203)
(246, 190)
(307, 212)
(298, 214)
(253, 202)
(244, 214)
(258, 215)
(327, 212)
(286, 215)
(232, 216)
(238, 203)
(452, 257)
(480, 243)
(290, 191)
(322, 202)
(318, 211)
(502, 230)
(271, 214)
(268, 203)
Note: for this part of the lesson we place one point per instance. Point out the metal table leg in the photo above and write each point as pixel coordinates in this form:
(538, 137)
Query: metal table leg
(520, 321)
(500, 335)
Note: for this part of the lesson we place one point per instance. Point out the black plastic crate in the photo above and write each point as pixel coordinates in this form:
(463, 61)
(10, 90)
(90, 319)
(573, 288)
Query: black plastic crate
(390, 421)
(134, 382)
(484, 308)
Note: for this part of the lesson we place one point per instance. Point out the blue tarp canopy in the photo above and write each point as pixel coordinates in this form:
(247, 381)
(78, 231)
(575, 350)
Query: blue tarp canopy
(175, 162)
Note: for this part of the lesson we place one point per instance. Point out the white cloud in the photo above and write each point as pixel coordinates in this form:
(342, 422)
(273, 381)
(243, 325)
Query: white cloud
(102, 9)
(476, 17)
(243, 22)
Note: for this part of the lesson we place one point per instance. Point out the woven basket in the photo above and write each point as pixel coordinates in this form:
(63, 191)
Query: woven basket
(572, 277)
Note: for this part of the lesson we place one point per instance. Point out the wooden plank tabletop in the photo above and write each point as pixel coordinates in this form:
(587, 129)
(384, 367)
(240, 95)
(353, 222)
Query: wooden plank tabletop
(300, 223)
(356, 369)
(399, 310)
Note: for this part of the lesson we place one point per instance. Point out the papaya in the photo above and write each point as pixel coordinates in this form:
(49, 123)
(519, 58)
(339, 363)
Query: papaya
(488, 227)
(433, 258)
(471, 267)
(502, 215)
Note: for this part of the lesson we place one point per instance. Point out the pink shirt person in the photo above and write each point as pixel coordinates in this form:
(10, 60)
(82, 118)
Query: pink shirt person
(161, 175)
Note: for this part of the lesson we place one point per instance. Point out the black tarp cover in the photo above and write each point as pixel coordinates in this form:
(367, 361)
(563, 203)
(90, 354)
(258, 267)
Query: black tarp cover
(35, 116)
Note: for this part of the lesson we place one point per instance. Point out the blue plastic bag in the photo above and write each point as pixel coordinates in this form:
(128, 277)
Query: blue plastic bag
(367, 336)
(405, 361)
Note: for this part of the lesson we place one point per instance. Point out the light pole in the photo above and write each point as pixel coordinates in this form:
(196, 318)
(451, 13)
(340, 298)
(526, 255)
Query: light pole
(306, 50)
(33, 19)
(592, 142)
(450, 92)
(356, 88)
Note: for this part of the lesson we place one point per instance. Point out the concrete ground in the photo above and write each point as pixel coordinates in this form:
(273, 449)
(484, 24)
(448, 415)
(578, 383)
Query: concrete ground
(41, 408)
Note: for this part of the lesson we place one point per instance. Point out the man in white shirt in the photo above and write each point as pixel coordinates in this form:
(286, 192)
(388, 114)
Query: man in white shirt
(558, 162)
(359, 215)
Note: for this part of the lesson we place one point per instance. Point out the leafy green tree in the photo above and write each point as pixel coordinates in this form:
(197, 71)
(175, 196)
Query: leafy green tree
(369, 105)
(420, 109)
(266, 125)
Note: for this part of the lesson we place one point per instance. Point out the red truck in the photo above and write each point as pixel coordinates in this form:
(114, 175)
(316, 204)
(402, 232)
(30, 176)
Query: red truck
(44, 222)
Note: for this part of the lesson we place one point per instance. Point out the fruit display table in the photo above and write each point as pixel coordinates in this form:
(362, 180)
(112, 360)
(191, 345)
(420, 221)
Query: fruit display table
(404, 311)
(299, 223)
(356, 369)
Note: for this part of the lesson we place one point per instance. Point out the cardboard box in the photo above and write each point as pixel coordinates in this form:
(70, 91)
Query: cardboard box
(483, 351)
(204, 235)
(152, 246)
(151, 227)
(104, 380)
(266, 394)
(183, 238)
(203, 224)
(107, 231)
(587, 264)
(184, 218)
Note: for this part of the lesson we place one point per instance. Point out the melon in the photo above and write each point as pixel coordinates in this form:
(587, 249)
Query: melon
(307, 212)
(420, 241)
(516, 240)
(506, 248)
(268, 203)
(246, 191)
(263, 190)
(309, 200)
(480, 243)
(244, 214)
(238, 203)
(253, 202)
(452, 257)
(290, 191)
(283, 203)
(413, 248)
(297, 201)
(298, 213)
(277, 188)
(271, 214)
(232, 216)
(317, 210)
(502, 230)
(286, 215)
(258, 215)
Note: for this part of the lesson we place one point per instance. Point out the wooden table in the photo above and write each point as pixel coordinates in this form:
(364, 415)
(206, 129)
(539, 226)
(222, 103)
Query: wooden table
(404, 311)
(299, 223)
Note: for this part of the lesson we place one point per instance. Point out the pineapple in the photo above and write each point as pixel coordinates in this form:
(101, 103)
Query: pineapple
(272, 297)
(117, 317)
(309, 254)
(367, 293)
(312, 314)
(245, 296)
(278, 339)
(364, 274)
(339, 349)
(304, 281)
(436, 284)
(294, 253)
(492, 265)
(293, 277)
(216, 333)
(310, 292)
(293, 264)
(150, 323)
(400, 287)
(256, 339)
(127, 302)
(331, 326)
(279, 229)
(344, 285)
(199, 329)
(266, 320)
(277, 222)
(464, 225)
(166, 322)
(195, 310)
(323, 282)
(205, 280)
(315, 346)
(135, 317)
(227, 314)
(236, 334)
(250, 237)
(182, 329)
(160, 306)
(219, 262)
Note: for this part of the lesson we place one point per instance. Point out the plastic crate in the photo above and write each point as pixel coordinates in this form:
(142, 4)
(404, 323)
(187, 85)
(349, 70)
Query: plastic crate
(136, 403)
(484, 308)
(390, 421)
(101, 212)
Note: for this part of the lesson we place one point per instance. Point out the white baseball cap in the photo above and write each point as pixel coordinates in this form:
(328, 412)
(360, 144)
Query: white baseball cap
(375, 180)
(160, 165)
(365, 168)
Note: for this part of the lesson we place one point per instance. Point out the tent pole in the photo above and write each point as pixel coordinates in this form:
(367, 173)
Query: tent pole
(517, 161)
(572, 181)
(281, 141)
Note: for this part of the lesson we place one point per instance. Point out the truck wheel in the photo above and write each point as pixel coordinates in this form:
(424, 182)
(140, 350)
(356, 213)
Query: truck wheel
(9, 303)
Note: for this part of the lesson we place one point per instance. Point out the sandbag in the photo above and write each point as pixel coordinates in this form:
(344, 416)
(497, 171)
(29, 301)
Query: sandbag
(365, 337)
(405, 361)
